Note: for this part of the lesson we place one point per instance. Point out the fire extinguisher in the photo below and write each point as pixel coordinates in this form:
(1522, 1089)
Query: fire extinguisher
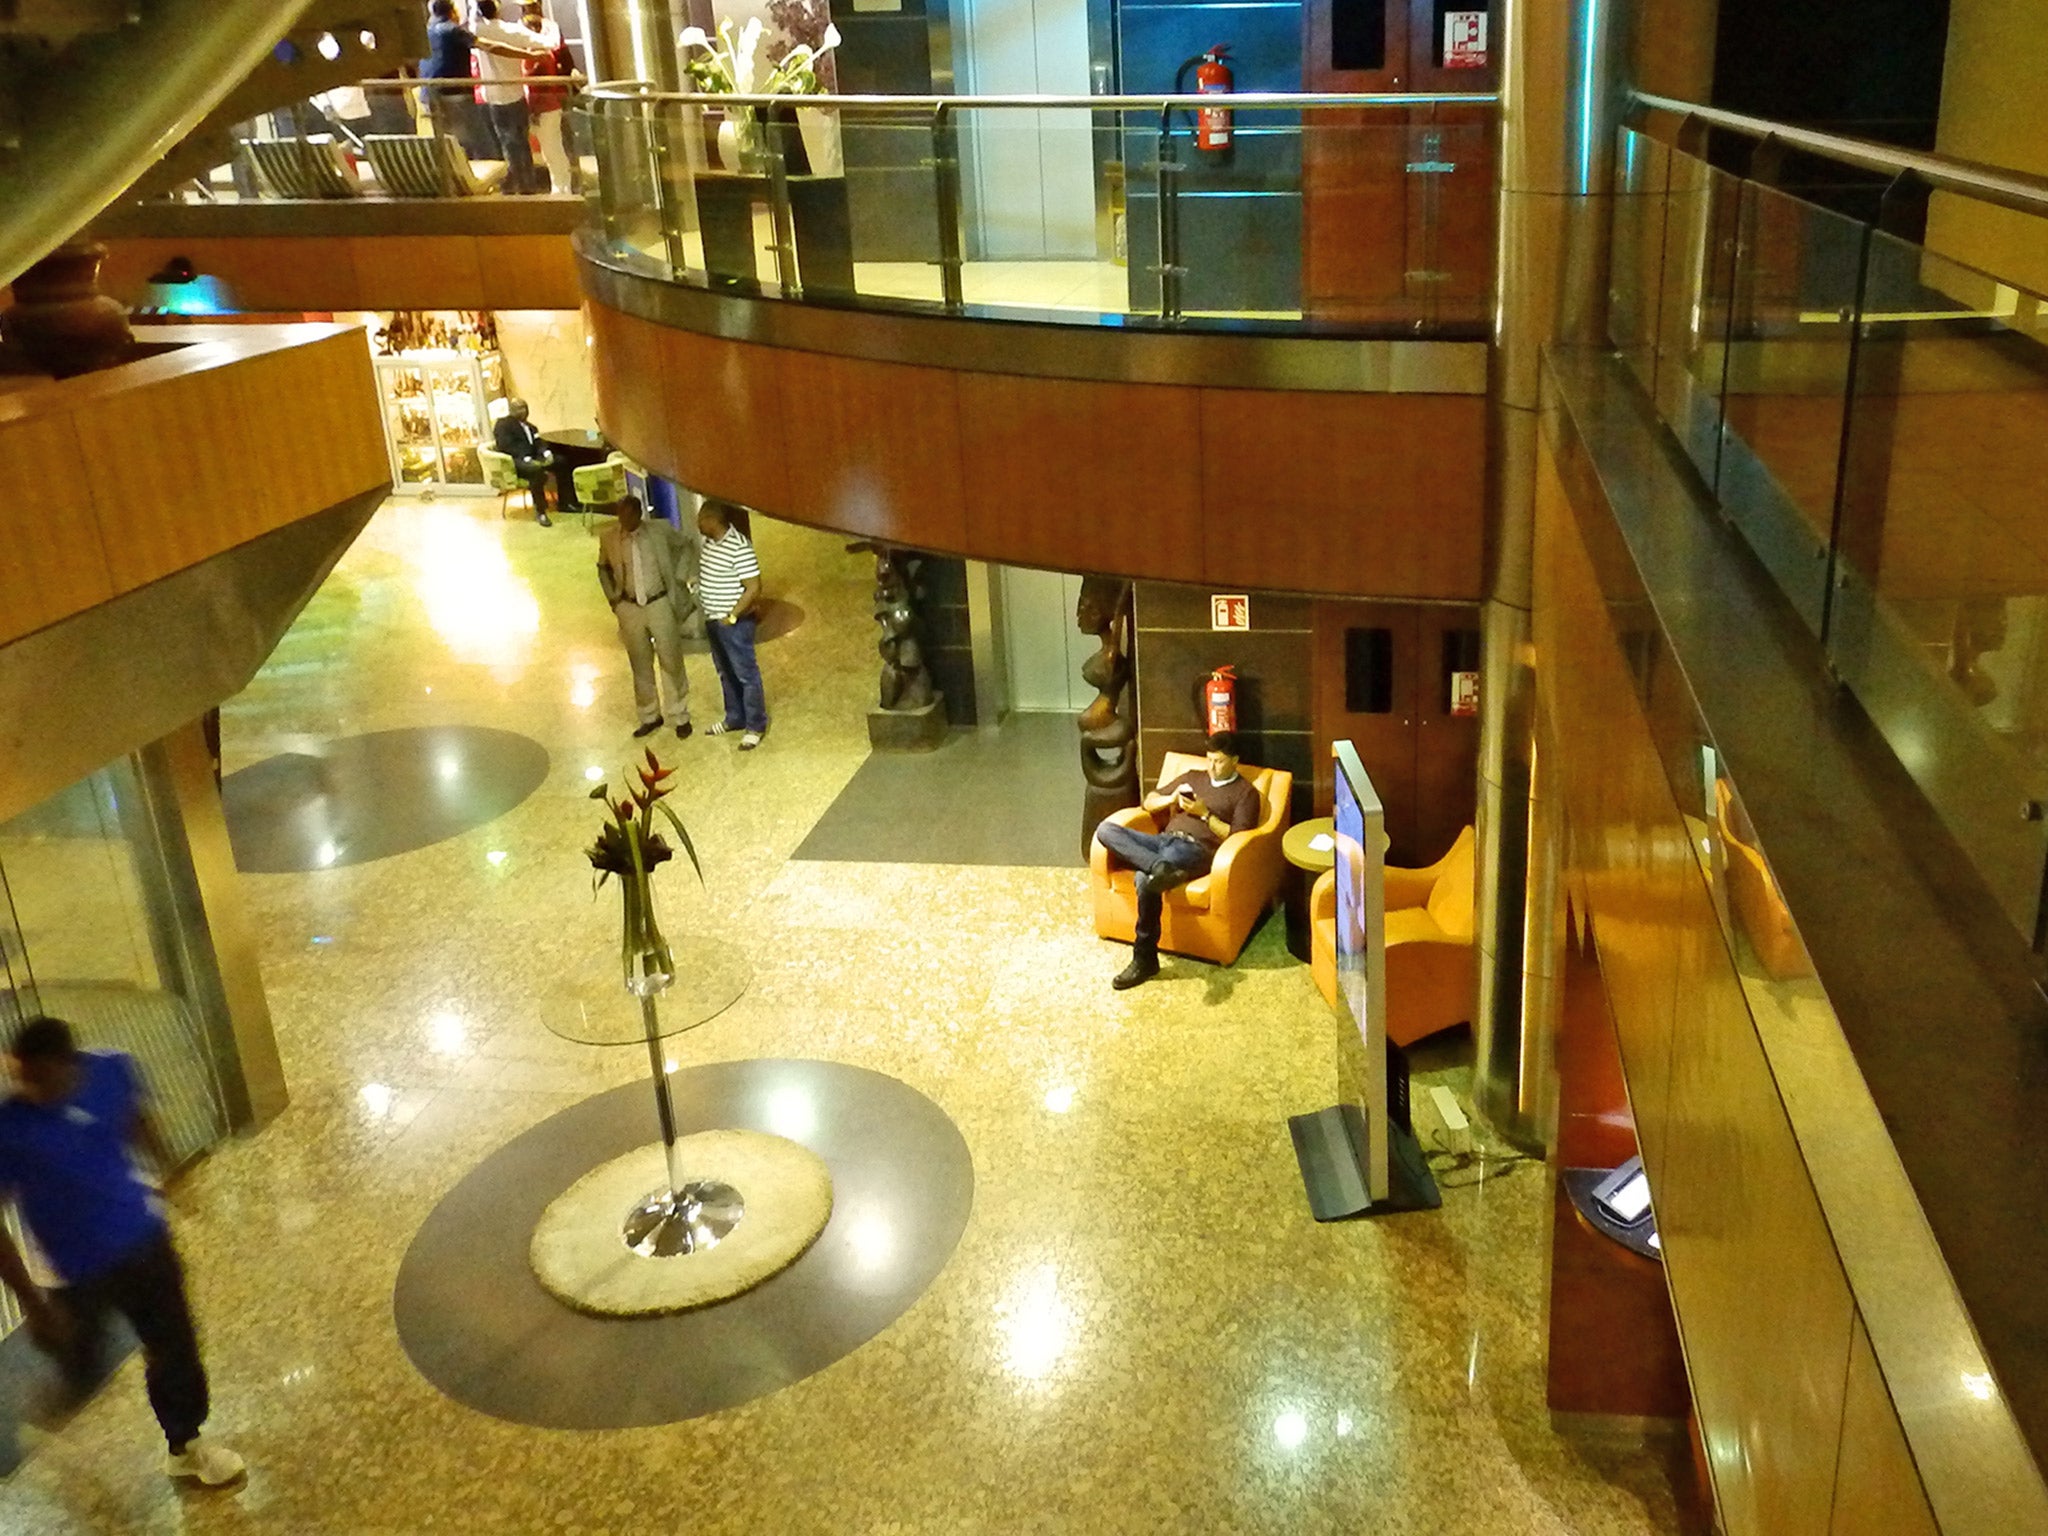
(1213, 77)
(1219, 701)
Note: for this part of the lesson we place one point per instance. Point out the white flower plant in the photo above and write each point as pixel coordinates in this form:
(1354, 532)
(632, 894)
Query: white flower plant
(731, 64)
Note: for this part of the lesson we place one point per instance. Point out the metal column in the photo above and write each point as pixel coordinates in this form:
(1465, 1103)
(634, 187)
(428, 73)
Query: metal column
(1560, 103)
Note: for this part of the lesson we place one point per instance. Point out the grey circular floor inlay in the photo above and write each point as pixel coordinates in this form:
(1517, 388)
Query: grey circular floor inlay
(477, 1324)
(358, 798)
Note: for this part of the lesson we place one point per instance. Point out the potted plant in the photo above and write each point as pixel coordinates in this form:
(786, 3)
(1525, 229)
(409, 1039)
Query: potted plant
(733, 63)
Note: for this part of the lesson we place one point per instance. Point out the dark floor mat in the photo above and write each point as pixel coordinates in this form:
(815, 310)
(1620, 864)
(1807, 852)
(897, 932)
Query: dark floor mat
(1007, 796)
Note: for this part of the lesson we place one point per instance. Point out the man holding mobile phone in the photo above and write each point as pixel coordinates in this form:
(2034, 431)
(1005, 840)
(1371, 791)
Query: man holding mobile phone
(1202, 807)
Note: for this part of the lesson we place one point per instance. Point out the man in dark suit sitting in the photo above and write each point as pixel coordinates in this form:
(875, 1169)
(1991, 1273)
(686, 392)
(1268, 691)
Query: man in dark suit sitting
(518, 439)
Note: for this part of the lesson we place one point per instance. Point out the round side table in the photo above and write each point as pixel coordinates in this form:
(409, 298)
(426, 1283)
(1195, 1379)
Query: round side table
(1311, 847)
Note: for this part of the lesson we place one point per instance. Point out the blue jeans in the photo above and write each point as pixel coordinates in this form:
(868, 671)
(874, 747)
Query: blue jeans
(739, 675)
(510, 123)
(1162, 863)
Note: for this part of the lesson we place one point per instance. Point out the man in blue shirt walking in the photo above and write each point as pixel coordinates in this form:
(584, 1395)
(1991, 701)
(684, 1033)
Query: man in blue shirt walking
(64, 1159)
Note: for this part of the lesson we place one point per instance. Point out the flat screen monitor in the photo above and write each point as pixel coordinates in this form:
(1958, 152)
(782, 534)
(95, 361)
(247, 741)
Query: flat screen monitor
(1361, 941)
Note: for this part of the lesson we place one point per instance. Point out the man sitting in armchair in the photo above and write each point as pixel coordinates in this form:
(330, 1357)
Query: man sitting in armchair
(1203, 807)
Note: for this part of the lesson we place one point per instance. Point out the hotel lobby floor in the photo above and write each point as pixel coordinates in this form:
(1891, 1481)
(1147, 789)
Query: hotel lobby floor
(1141, 1329)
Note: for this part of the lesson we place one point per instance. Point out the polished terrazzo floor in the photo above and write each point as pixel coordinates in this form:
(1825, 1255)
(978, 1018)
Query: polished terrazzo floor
(1141, 1330)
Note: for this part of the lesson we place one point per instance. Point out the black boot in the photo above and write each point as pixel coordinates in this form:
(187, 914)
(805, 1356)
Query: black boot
(1143, 967)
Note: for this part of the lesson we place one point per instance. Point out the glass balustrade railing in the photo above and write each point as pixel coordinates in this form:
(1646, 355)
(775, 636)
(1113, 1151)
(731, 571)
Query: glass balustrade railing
(1873, 416)
(1361, 215)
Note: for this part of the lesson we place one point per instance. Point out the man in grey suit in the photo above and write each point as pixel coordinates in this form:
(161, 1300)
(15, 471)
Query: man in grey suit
(645, 568)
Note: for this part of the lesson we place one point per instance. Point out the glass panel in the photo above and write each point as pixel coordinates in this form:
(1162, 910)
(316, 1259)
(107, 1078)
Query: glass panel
(1642, 173)
(1787, 379)
(1699, 251)
(1940, 620)
(412, 426)
(100, 943)
(1380, 222)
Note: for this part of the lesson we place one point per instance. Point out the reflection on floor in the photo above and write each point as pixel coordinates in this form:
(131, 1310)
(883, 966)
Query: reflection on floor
(1005, 796)
(1141, 1330)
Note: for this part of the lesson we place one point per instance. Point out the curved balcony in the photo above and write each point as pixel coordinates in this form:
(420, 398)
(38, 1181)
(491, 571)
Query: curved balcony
(1053, 331)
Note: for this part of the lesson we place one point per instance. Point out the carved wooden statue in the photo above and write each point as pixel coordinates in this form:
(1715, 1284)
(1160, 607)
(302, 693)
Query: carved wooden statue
(1109, 738)
(906, 680)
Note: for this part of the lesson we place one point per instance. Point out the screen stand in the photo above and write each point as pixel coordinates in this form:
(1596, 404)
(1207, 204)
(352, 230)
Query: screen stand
(1330, 1146)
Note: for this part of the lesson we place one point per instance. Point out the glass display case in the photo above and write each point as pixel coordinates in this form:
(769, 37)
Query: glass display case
(439, 405)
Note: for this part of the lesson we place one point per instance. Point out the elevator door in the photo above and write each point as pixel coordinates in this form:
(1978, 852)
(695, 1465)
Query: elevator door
(1043, 649)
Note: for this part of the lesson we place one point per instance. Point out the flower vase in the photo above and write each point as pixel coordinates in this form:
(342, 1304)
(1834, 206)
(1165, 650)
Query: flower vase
(643, 952)
(739, 139)
(820, 129)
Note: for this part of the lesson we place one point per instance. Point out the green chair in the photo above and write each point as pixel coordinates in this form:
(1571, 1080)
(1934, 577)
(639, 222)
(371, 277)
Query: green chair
(501, 476)
(599, 486)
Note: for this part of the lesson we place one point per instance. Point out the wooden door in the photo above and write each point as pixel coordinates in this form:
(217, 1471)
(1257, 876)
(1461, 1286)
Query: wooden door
(1365, 694)
(1446, 743)
(1382, 678)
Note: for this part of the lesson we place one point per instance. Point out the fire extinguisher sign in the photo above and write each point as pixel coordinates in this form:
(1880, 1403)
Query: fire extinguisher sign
(1465, 40)
(1230, 610)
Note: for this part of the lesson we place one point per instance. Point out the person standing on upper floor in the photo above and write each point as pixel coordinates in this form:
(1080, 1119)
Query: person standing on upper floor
(645, 567)
(545, 102)
(516, 437)
(729, 588)
(502, 48)
(449, 46)
(65, 1140)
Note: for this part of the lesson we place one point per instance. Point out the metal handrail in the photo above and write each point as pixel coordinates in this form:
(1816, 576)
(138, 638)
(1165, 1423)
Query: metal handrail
(457, 82)
(1968, 178)
(1241, 101)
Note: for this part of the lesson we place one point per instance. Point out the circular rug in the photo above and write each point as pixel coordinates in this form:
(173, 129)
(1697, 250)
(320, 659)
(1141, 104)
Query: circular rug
(476, 1323)
(581, 1257)
(356, 798)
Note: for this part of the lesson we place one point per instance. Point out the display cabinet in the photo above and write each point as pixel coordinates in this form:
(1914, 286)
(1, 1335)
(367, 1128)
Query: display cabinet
(437, 412)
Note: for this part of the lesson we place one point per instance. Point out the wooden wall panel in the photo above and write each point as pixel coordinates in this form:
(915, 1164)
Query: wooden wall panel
(207, 452)
(879, 448)
(525, 272)
(1080, 476)
(54, 564)
(1234, 488)
(1352, 493)
(726, 421)
(261, 274)
(632, 396)
(418, 271)
(145, 469)
(1876, 1485)
(264, 274)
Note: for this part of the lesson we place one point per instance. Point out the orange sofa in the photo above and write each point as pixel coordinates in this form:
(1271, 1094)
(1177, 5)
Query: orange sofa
(1432, 972)
(1211, 916)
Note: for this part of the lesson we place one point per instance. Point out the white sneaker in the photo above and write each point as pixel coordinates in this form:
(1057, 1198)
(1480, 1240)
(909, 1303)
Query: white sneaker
(211, 1463)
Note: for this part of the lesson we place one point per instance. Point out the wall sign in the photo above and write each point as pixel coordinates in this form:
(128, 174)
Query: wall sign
(1465, 40)
(1230, 611)
(1464, 693)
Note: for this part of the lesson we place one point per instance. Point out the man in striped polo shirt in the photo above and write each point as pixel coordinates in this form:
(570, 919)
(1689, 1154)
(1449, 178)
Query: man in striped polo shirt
(729, 588)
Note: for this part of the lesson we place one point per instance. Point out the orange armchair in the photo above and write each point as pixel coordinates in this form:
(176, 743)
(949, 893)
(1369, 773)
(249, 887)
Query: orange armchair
(1753, 892)
(1211, 916)
(1432, 973)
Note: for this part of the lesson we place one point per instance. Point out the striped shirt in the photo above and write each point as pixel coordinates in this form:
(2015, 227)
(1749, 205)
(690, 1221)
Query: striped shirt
(726, 564)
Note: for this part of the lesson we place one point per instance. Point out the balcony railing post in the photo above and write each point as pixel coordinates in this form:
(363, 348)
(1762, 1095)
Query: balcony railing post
(1166, 200)
(779, 210)
(946, 180)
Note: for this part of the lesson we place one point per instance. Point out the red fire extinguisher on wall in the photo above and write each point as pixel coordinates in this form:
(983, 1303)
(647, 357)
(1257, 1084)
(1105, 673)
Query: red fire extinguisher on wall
(1213, 77)
(1219, 701)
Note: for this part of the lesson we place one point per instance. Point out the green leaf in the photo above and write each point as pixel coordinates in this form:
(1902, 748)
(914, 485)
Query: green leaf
(682, 836)
(602, 792)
